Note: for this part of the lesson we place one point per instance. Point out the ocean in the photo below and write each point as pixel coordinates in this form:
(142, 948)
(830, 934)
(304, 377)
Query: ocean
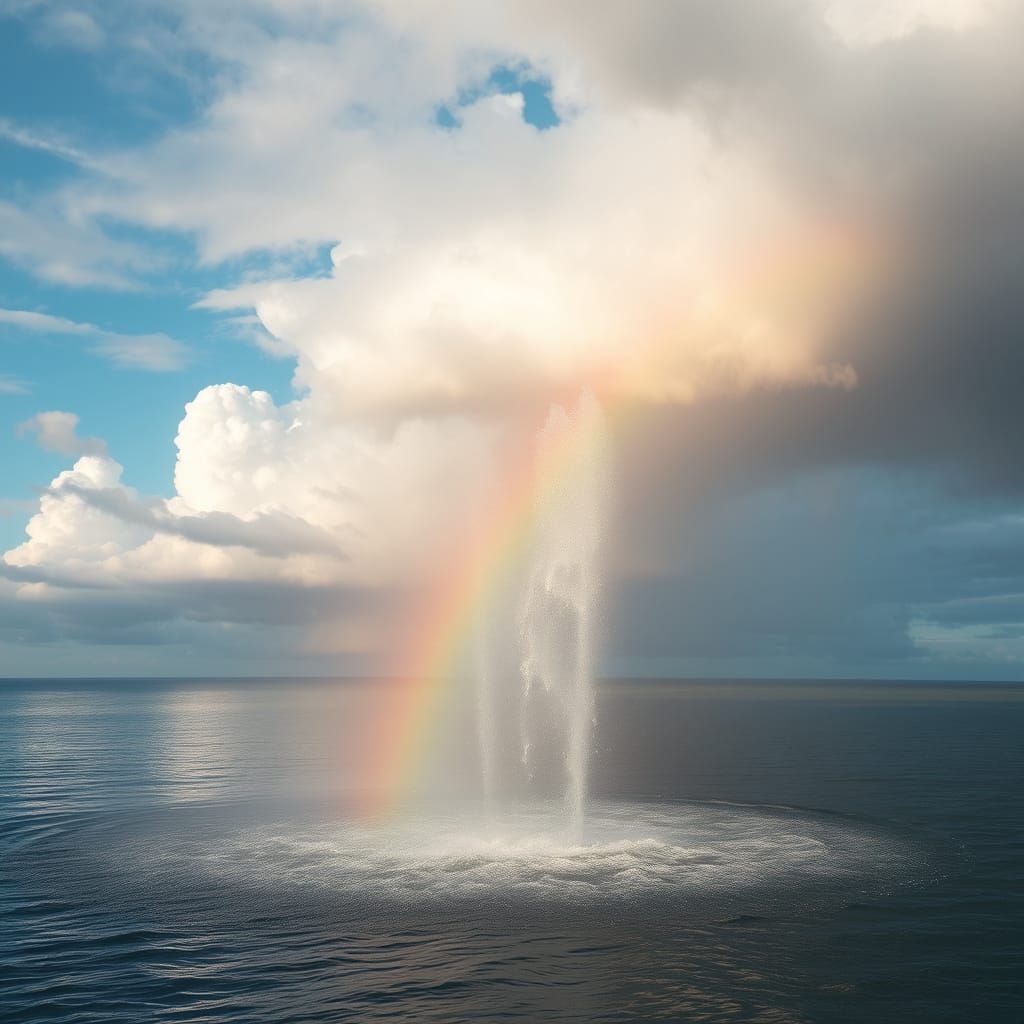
(763, 851)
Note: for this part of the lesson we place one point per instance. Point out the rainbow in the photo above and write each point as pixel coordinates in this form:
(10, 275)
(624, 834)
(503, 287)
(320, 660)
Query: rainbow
(810, 267)
(442, 639)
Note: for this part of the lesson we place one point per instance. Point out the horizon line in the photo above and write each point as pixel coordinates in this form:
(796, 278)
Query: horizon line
(389, 679)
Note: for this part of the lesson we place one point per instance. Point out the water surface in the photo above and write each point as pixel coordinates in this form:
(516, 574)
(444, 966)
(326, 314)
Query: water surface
(753, 852)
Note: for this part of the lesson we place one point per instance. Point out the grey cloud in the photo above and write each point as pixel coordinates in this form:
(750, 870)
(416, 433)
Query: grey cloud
(669, 52)
(175, 612)
(801, 570)
(56, 431)
(815, 571)
(274, 533)
(61, 580)
(1005, 611)
(923, 133)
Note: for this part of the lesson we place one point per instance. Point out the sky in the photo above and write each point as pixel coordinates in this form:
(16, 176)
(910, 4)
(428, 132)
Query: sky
(283, 284)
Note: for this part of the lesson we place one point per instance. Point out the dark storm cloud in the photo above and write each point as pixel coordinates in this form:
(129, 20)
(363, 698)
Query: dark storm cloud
(812, 568)
(835, 570)
(1004, 612)
(923, 130)
(940, 356)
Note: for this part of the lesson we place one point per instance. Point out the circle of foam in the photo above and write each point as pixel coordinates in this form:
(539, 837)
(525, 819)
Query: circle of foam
(687, 854)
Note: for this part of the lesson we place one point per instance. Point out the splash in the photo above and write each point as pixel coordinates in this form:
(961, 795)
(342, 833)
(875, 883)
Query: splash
(694, 861)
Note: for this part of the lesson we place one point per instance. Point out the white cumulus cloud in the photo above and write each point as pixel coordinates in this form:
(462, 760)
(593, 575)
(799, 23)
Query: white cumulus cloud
(56, 431)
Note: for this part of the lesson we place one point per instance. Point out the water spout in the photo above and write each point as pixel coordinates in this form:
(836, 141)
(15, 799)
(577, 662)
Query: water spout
(556, 608)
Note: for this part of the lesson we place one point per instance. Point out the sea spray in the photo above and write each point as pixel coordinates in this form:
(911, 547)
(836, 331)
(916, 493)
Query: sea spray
(556, 608)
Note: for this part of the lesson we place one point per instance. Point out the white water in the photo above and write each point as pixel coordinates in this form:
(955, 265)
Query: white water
(555, 612)
(702, 860)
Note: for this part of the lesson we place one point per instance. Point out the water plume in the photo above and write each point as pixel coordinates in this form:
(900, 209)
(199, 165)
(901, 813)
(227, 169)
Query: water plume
(555, 609)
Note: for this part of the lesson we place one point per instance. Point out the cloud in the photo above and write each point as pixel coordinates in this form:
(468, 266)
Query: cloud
(778, 238)
(700, 144)
(72, 28)
(273, 532)
(50, 579)
(826, 571)
(311, 531)
(86, 511)
(45, 143)
(12, 386)
(55, 431)
(154, 352)
(383, 491)
(860, 23)
(31, 321)
(40, 237)
(157, 353)
(103, 566)
(526, 282)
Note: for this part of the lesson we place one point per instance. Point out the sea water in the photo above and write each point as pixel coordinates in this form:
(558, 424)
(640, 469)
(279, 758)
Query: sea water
(753, 852)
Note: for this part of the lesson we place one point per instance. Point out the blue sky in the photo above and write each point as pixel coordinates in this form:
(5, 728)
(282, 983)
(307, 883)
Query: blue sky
(414, 232)
(52, 90)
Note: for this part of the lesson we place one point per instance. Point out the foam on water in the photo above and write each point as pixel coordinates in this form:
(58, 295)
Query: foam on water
(698, 858)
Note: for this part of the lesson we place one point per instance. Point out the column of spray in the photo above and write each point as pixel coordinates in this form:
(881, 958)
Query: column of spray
(560, 591)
